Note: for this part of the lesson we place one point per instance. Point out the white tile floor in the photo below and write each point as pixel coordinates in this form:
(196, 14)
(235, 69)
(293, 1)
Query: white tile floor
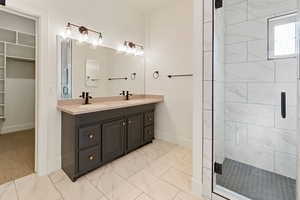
(158, 171)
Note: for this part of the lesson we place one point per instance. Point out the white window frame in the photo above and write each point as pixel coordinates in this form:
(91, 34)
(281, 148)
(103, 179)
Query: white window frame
(275, 21)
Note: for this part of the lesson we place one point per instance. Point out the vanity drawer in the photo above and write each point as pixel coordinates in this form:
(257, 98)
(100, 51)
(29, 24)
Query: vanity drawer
(89, 159)
(149, 118)
(148, 134)
(89, 136)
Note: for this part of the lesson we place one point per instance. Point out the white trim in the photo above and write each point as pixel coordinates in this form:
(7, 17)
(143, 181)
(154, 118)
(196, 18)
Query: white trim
(41, 18)
(198, 17)
(16, 128)
(196, 184)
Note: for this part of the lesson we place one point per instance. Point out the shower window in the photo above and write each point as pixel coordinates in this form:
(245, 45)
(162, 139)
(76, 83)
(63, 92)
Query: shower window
(282, 36)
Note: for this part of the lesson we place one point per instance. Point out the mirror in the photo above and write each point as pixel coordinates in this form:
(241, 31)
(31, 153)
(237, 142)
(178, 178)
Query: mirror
(101, 71)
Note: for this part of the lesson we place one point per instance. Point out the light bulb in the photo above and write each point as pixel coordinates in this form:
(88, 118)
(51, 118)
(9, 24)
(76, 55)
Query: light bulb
(80, 39)
(137, 53)
(127, 50)
(68, 31)
(122, 48)
(85, 37)
(100, 41)
(63, 35)
(134, 51)
(95, 43)
(140, 53)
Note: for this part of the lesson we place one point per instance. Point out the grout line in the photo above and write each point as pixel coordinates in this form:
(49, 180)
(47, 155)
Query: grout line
(177, 194)
(54, 185)
(101, 192)
(143, 193)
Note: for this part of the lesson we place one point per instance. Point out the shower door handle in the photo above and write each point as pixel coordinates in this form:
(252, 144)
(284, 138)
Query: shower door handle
(283, 105)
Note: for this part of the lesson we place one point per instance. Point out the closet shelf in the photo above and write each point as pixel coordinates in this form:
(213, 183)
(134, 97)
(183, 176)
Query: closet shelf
(20, 58)
(18, 44)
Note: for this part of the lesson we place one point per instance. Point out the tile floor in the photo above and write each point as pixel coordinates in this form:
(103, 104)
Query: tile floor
(158, 171)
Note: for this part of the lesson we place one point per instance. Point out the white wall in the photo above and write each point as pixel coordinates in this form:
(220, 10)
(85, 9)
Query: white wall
(114, 18)
(20, 97)
(169, 50)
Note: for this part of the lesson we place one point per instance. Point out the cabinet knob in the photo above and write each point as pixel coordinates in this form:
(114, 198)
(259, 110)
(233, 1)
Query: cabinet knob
(129, 122)
(124, 123)
(91, 157)
(91, 136)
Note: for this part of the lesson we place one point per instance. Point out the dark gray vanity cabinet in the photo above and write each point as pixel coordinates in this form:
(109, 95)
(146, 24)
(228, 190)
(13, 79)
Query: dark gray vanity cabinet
(113, 137)
(94, 139)
(134, 132)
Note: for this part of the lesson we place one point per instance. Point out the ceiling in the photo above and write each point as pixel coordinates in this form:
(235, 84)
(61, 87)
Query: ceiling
(146, 6)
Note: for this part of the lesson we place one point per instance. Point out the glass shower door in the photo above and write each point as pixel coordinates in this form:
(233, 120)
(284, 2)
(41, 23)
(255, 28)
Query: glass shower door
(255, 100)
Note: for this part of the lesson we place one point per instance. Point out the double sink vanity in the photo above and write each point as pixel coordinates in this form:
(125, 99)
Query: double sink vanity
(97, 125)
(106, 129)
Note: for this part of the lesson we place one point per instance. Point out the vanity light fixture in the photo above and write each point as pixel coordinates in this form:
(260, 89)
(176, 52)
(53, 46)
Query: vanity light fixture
(132, 48)
(83, 34)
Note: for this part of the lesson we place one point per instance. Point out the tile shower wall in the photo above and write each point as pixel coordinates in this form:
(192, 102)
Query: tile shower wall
(255, 133)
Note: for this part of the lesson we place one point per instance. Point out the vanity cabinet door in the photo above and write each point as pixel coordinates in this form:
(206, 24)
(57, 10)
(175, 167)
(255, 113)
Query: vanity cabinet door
(148, 134)
(113, 138)
(134, 132)
(149, 118)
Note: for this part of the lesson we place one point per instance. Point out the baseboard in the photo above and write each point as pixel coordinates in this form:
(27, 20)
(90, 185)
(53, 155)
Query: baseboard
(169, 137)
(15, 128)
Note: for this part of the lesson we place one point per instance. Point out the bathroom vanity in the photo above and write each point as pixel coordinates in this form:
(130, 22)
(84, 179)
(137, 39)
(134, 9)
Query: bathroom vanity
(98, 133)
(109, 126)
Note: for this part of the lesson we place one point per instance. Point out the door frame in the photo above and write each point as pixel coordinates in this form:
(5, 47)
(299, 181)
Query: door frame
(41, 128)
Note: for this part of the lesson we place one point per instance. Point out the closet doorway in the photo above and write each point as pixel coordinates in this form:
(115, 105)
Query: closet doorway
(17, 96)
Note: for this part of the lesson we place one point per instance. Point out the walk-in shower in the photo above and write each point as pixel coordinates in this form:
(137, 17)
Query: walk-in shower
(255, 99)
